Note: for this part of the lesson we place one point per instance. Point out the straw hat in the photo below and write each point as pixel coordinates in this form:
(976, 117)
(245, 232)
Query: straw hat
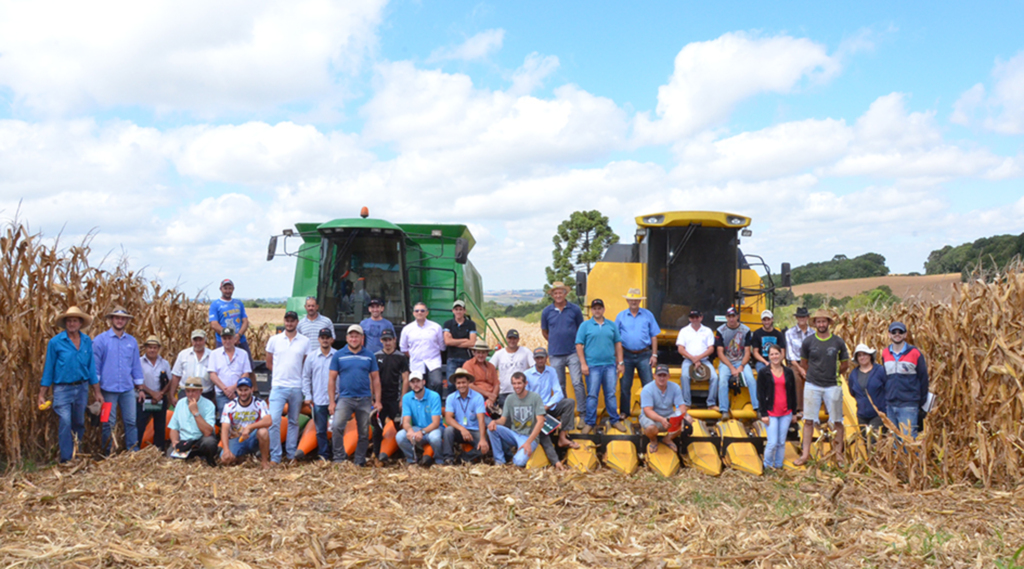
(700, 372)
(556, 285)
(821, 313)
(74, 312)
(481, 344)
(152, 339)
(634, 294)
(462, 373)
(119, 311)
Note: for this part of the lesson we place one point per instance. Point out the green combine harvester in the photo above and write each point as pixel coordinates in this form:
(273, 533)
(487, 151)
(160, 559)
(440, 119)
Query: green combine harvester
(346, 262)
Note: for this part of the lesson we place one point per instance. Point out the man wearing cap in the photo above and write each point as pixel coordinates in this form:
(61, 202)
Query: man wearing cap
(795, 337)
(316, 372)
(421, 421)
(314, 323)
(227, 312)
(485, 375)
(660, 401)
(193, 362)
(117, 363)
(599, 348)
(394, 384)
(375, 325)
(509, 360)
(541, 379)
(192, 425)
(354, 387)
(286, 352)
(69, 370)
(227, 365)
(639, 331)
(464, 414)
(696, 343)
(559, 322)
(763, 337)
(423, 341)
(733, 361)
(459, 337)
(524, 414)
(156, 385)
(244, 426)
(823, 356)
(906, 380)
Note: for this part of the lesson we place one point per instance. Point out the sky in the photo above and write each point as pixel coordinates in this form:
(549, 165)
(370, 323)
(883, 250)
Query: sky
(185, 134)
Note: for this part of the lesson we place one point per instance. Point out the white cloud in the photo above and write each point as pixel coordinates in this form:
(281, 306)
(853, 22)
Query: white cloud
(711, 77)
(202, 57)
(1001, 111)
(477, 47)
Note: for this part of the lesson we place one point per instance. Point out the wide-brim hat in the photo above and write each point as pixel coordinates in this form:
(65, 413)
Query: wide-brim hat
(556, 285)
(819, 313)
(119, 311)
(462, 373)
(74, 312)
(634, 294)
(700, 372)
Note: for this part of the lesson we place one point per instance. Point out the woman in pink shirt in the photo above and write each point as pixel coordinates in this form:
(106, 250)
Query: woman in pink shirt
(776, 392)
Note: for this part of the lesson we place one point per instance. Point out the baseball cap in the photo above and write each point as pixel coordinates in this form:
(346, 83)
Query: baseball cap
(326, 333)
(596, 302)
(512, 333)
(229, 331)
(197, 333)
(387, 334)
(193, 383)
(731, 311)
(416, 375)
(355, 328)
(897, 326)
(767, 314)
(376, 301)
(695, 313)
(661, 369)
(227, 282)
(461, 303)
(244, 382)
(540, 353)
(291, 315)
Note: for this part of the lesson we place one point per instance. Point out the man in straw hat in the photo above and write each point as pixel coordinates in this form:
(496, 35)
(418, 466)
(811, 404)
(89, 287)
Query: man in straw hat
(639, 330)
(156, 385)
(485, 375)
(559, 322)
(192, 425)
(823, 356)
(120, 371)
(69, 371)
(464, 413)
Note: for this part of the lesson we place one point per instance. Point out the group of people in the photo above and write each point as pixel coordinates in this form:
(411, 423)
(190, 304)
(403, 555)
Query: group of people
(516, 395)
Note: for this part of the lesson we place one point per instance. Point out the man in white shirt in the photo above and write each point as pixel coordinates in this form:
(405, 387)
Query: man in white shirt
(285, 354)
(423, 341)
(228, 364)
(508, 361)
(696, 343)
(156, 384)
(314, 322)
(193, 362)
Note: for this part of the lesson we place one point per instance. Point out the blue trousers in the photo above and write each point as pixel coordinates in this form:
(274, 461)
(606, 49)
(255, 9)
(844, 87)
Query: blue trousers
(905, 418)
(321, 418)
(684, 379)
(69, 403)
(641, 363)
(433, 438)
(601, 377)
(775, 447)
(503, 437)
(278, 397)
(126, 401)
(721, 386)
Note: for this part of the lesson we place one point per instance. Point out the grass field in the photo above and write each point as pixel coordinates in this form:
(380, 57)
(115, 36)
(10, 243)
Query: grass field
(924, 287)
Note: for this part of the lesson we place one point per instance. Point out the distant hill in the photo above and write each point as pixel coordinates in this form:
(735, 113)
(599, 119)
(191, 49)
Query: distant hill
(509, 297)
(841, 267)
(991, 253)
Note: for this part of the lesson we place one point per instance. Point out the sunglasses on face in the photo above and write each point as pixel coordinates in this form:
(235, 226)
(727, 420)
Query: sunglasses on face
(898, 332)
(419, 310)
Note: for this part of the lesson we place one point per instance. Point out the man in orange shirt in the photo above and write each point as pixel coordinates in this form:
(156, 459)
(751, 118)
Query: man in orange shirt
(484, 372)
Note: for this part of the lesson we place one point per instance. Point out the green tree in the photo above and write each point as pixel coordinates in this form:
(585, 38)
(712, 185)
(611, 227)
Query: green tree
(987, 253)
(841, 267)
(579, 242)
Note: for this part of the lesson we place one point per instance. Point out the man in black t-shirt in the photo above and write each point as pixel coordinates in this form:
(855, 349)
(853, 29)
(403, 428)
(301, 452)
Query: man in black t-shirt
(765, 336)
(394, 382)
(459, 337)
(824, 358)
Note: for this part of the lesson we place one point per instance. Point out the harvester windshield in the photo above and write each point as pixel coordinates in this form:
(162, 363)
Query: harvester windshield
(690, 267)
(356, 266)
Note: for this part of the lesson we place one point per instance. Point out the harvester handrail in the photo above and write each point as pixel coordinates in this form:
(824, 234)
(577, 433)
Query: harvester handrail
(487, 327)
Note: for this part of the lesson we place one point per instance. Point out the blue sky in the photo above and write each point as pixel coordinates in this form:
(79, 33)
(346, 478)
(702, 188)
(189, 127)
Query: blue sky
(186, 133)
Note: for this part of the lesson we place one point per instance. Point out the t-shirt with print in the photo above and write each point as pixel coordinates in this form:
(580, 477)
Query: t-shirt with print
(227, 313)
(823, 357)
(761, 339)
(733, 341)
(238, 416)
(522, 413)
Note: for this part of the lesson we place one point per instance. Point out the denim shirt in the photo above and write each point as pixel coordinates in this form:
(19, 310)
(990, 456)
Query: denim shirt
(67, 364)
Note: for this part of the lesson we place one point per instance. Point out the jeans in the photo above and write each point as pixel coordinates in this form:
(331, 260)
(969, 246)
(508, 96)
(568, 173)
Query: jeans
(435, 381)
(126, 401)
(642, 364)
(433, 438)
(905, 418)
(721, 386)
(600, 377)
(451, 367)
(321, 416)
(69, 402)
(775, 447)
(758, 366)
(159, 423)
(346, 407)
(222, 401)
(453, 439)
(684, 379)
(278, 397)
(502, 437)
(571, 361)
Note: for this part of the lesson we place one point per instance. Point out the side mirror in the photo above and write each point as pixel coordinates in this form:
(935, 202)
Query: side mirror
(581, 285)
(272, 248)
(787, 276)
(461, 251)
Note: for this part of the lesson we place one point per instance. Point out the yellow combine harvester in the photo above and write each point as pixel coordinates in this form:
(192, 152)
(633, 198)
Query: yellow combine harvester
(685, 260)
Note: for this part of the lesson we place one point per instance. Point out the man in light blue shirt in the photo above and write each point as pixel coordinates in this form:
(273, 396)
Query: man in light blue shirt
(117, 363)
(464, 412)
(639, 331)
(192, 426)
(316, 372)
(421, 420)
(599, 348)
(542, 380)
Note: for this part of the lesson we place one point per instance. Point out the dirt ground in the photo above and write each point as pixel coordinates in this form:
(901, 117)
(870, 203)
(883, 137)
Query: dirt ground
(925, 287)
(141, 510)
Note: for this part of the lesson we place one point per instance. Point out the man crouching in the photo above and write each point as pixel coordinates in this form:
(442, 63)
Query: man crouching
(241, 418)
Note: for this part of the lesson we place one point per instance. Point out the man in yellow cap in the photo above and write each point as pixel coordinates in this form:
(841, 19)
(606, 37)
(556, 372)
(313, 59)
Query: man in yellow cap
(156, 384)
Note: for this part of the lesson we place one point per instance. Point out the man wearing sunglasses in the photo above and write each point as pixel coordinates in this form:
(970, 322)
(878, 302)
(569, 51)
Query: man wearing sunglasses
(906, 380)
(423, 341)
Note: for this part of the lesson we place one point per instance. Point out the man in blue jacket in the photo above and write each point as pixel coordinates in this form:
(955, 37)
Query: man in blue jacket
(906, 380)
